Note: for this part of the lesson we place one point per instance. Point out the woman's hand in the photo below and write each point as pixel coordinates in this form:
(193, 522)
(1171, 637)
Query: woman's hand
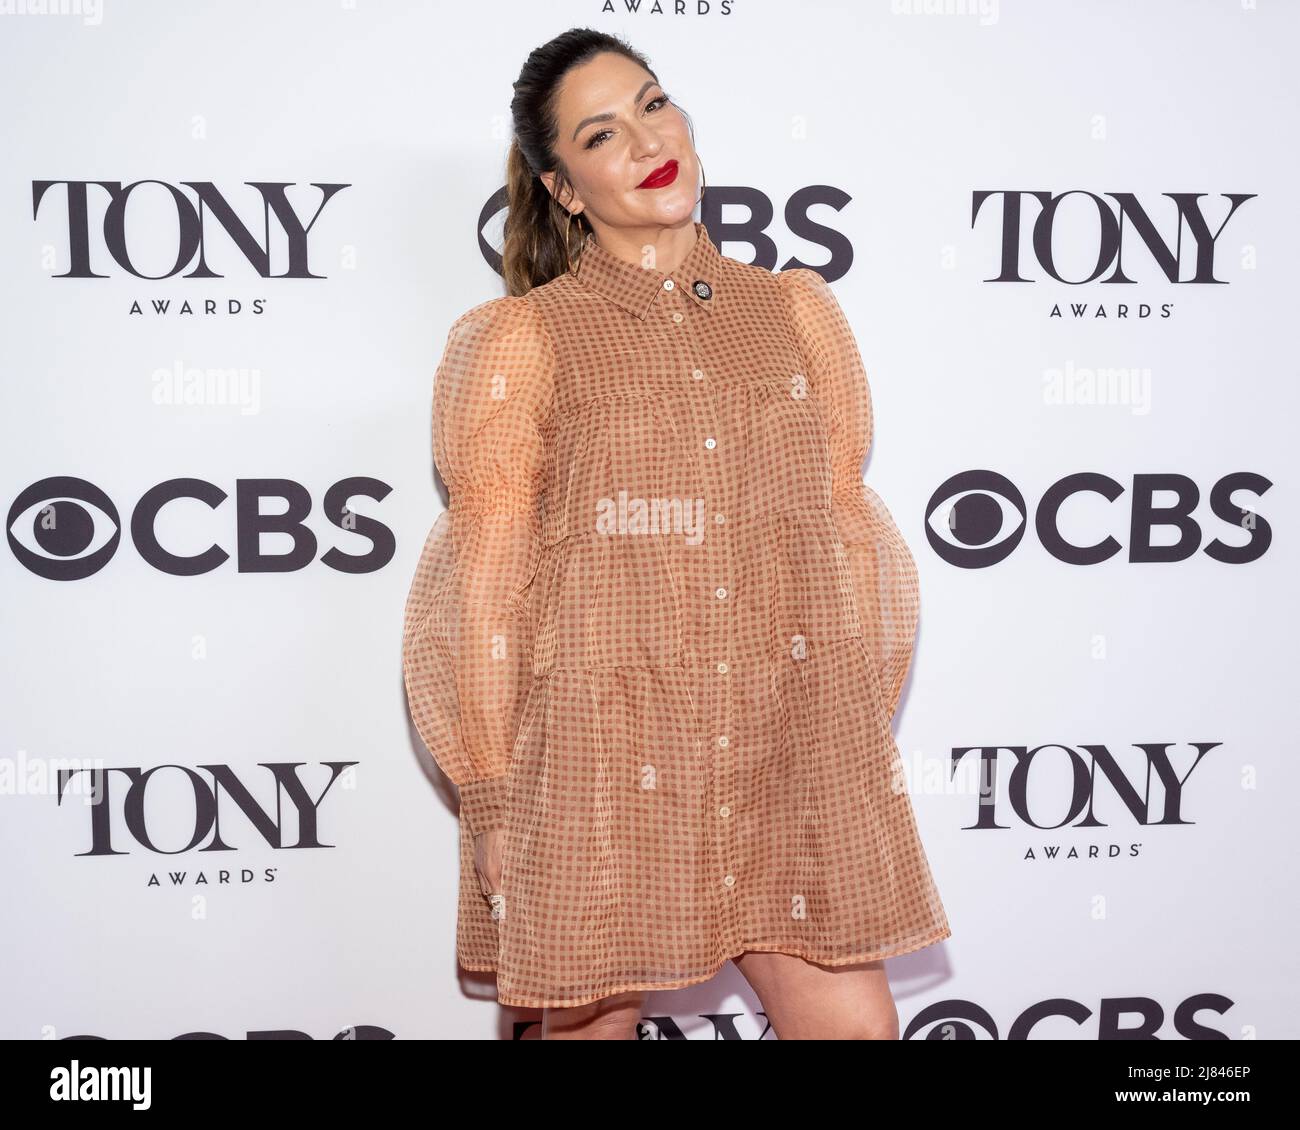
(488, 850)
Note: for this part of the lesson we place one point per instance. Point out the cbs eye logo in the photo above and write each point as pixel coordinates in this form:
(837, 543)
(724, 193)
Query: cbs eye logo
(63, 529)
(952, 1020)
(66, 529)
(977, 518)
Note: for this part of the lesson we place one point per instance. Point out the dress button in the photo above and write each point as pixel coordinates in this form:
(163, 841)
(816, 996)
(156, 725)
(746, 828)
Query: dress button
(677, 317)
(668, 284)
(724, 811)
(720, 593)
(730, 880)
(724, 741)
(710, 443)
(698, 374)
(723, 668)
(719, 519)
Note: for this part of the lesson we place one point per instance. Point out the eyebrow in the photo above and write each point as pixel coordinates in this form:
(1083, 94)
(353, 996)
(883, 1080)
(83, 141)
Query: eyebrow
(608, 117)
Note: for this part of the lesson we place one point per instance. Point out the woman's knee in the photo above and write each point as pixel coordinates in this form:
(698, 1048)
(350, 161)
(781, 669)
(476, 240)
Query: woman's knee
(610, 1018)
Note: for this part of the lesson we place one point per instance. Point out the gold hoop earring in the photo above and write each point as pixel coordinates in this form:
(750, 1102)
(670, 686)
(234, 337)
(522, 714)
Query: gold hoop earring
(568, 254)
(568, 227)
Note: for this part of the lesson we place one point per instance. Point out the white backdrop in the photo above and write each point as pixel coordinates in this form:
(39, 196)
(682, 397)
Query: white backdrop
(870, 131)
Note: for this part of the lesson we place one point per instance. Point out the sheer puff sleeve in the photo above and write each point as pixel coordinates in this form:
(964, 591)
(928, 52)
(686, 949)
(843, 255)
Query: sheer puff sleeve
(885, 581)
(466, 648)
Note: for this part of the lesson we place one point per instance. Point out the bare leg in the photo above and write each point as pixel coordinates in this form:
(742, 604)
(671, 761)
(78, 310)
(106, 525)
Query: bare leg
(806, 1001)
(610, 1018)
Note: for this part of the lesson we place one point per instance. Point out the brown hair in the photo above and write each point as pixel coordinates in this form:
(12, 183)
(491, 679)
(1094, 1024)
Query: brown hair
(535, 250)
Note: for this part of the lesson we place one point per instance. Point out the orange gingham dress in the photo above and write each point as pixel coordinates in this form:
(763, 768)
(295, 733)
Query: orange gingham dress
(660, 632)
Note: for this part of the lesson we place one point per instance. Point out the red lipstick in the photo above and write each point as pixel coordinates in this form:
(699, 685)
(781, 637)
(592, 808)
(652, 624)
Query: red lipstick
(665, 174)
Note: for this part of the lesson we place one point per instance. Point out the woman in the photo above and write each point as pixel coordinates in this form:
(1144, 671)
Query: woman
(659, 636)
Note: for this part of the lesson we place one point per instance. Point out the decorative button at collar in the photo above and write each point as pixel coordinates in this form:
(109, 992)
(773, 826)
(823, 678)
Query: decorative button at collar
(702, 288)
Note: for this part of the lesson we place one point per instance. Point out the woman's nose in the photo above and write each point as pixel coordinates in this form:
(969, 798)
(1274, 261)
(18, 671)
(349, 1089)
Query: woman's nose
(645, 140)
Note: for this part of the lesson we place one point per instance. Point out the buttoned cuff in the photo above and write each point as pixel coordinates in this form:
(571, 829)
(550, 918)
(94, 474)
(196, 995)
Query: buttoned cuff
(483, 804)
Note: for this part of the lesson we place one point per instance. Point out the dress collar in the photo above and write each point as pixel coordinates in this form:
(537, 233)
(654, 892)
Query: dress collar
(635, 288)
